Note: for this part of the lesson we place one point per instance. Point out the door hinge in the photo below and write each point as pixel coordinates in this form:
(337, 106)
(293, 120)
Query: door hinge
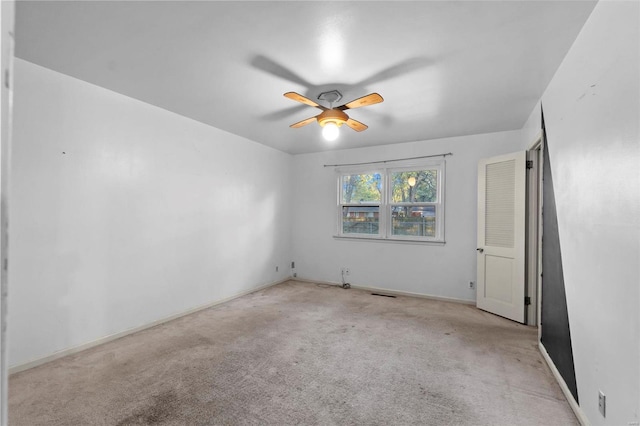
(529, 164)
(527, 301)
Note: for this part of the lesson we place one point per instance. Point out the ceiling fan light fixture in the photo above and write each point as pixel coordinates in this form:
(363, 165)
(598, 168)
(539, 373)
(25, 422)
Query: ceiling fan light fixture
(330, 131)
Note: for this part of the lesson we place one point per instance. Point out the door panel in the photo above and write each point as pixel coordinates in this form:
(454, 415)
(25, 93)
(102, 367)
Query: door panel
(501, 235)
(498, 274)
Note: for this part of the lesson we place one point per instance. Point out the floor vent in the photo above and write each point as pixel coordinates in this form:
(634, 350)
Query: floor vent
(383, 295)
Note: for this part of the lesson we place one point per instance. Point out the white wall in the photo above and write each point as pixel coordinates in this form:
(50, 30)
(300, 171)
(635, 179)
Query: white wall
(592, 114)
(532, 127)
(124, 213)
(438, 270)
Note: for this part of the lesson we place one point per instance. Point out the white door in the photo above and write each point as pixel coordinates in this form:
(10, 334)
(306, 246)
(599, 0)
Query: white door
(501, 235)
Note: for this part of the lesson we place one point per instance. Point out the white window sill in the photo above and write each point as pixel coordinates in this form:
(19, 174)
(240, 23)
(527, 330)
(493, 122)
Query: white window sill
(390, 240)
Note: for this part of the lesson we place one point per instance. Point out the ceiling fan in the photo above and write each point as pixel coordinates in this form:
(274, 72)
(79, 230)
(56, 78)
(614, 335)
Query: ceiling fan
(330, 119)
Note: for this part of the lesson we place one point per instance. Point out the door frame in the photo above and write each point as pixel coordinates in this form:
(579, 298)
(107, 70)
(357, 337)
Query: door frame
(533, 245)
(7, 19)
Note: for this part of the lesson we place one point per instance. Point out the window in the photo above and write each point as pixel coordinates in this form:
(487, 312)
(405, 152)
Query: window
(405, 202)
(360, 196)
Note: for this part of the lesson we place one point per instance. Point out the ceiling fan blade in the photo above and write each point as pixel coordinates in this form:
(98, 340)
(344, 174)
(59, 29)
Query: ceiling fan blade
(370, 99)
(272, 67)
(299, 98)
(397, 70)
(303, 122)
(283, 113)
(356, 125)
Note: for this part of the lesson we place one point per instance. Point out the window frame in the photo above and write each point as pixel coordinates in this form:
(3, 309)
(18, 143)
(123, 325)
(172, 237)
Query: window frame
(385, 217)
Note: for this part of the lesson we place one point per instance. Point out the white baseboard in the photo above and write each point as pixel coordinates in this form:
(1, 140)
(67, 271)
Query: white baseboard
(390, 292)
(103, 340)
(582, 418)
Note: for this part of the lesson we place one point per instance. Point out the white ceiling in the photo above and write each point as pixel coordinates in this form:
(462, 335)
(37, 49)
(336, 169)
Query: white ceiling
(444, 68)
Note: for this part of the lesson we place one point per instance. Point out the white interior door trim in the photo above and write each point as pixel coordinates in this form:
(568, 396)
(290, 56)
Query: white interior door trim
(539, 145)
(7, 16)
(534, 231)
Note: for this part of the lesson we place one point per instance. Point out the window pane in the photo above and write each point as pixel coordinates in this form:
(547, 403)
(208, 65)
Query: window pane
(419, 186)
(360, 219)
(418, 221)
(364, 188)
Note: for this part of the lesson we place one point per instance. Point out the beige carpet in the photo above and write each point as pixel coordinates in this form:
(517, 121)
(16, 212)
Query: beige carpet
(300, 353)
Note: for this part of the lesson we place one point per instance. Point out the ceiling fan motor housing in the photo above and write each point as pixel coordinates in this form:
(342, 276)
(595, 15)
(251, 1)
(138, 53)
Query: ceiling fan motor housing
(332, 115)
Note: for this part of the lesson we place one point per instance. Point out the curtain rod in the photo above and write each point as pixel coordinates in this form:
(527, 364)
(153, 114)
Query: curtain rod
(388, 161)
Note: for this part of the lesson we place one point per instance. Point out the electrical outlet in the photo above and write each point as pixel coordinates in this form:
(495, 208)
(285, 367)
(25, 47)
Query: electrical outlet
(602, 403)
(346, 271)
(472, 284)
